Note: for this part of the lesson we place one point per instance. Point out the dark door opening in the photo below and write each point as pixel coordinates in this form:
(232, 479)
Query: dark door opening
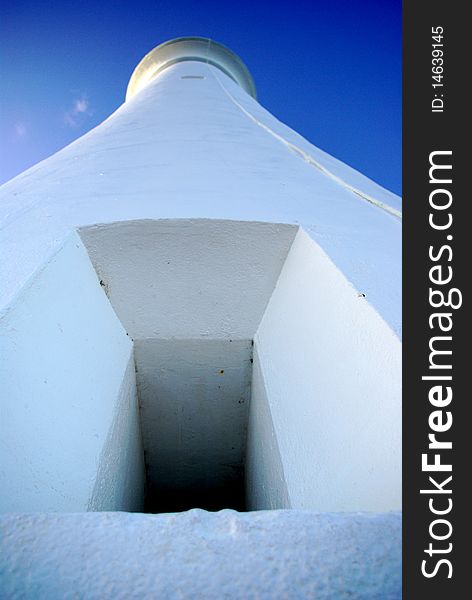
(214, 498)
(194, 405)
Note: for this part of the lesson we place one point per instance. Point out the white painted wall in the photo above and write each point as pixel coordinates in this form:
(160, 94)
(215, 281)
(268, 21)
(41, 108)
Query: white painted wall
(186, 148)
(323, 430)
(324, 425)
(120, 479)
(195, 278)
(325, 416)
(191, 293)
(69, 431)
(331, 372)
(266, 487)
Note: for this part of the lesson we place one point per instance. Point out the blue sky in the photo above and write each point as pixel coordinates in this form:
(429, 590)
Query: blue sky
(331, 70)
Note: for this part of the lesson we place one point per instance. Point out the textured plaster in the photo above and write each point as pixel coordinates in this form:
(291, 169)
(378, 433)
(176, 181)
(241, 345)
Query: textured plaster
(332, 373)
(120, 478)
(266, 487)
(287, 555)
(187, 279)
(68, 399)
(325, 414)
(184, 148)
(324, 423)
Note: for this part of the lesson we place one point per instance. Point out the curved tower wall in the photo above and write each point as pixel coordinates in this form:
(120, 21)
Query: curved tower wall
(84, 229)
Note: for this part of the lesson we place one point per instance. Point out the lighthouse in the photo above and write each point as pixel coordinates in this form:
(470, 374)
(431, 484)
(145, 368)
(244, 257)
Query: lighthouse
(200, 336)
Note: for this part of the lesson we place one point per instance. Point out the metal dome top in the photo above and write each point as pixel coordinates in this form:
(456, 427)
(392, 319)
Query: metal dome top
(190, 48)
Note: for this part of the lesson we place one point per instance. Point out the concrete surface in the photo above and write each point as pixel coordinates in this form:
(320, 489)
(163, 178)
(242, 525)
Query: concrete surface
(324, 424)
(186, 148)
(195, 555)
(68, 412)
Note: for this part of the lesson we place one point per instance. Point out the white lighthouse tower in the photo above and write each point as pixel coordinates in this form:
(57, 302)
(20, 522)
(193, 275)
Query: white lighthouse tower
(199, 310)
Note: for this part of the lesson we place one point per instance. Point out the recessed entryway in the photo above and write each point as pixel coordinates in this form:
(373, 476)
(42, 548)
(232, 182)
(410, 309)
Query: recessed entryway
(191, 294)
(198, 363)
(194, 402)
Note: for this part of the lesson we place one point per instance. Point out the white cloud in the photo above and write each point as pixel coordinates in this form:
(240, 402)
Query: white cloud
(21, 130)
(80, 106)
